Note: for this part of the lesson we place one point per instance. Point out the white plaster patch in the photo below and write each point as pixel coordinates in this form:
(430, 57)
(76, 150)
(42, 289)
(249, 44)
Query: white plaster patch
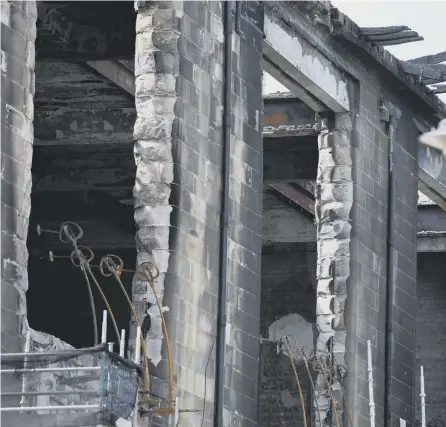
(3, 61)
(5, 12)
(292, 52)
(287, 399)
(294, 325)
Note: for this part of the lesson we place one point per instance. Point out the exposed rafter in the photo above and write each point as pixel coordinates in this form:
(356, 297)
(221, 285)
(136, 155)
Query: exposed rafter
(116, 72)
(401, 40)
(428, 74)
(429, 59)
(379, 31)
(387, 36)
(296, 195)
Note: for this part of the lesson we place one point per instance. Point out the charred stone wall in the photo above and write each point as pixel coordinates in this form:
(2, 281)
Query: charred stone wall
(288, 309)
(18, 32)
(431, 344)
(178, 151)
(366, 308)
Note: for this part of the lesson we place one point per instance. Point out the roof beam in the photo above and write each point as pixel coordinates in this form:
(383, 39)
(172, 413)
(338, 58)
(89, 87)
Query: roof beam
(296, 196)
(393, 36)
(434, 73)
(116, 72)
(429, 59)
(375, 31)
(305, 65)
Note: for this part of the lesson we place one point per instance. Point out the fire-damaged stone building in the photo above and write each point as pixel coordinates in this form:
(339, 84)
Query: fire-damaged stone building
(284, 226)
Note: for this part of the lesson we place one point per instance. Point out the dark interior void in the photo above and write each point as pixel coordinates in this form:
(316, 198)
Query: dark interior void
(57, 298)
(289, 258)
(431, 333)
(59, 304)
(288, 308)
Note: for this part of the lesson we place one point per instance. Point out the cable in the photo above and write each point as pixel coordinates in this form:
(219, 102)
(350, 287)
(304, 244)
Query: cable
(333, 401)
(302, 402)
(340, 369)
(146, 269)
(205, 378)
(66, 236)
(302, 354)
(93, 309)
(115, 270)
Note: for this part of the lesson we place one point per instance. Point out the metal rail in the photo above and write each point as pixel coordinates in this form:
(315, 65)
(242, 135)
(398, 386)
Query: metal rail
(48, 408)
(33, 370)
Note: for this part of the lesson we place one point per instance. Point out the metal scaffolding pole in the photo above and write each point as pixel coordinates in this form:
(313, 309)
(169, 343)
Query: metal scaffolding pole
(49, 408)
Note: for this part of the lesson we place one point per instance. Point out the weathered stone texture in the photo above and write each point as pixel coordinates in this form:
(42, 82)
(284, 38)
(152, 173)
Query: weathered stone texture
(431, 343)
(288, 309)
(334, 200)
(367, 307)
(18, 32)
(178, 151)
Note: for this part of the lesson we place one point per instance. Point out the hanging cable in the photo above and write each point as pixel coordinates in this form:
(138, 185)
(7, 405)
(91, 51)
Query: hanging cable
(323, 369)
(302, 402)
(307, 367)
(146, 270)
(92, 307)
(115, 265)
(67, 236)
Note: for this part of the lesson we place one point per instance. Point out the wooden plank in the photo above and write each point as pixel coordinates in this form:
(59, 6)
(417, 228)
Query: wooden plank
(372, 31)
(429, 59)
(296, 195)
(117, 73)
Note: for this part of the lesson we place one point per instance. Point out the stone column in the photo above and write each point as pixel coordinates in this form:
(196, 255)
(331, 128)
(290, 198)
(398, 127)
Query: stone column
(17, 63)
(334, 199)
(178, 136)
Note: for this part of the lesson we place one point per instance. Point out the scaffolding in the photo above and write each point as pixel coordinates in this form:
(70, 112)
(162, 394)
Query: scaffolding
(80, 395)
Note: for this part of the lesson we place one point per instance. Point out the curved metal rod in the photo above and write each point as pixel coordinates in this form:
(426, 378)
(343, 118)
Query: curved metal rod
(304, 413)
(342, 373)
(93, 309)
(115, 270)
(84, 263)
(307, 367)
(145, 268)
(333, 401)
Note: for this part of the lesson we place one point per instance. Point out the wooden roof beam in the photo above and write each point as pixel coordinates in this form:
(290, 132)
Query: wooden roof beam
(380, 31)
(429, 59)
(398, 41)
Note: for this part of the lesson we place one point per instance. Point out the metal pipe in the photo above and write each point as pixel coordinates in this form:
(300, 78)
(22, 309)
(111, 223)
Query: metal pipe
(423, 399)
(110, 346)
(137, 361)
(23, 400)
(48, 393)
(104, 327)
(48, 408)
(122, 343)
(33, 370)
(390, 274)
(370, 374)
(224, 218)
(60, 353)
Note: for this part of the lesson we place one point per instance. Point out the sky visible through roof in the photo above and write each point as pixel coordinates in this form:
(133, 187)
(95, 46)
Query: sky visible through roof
(427, 17)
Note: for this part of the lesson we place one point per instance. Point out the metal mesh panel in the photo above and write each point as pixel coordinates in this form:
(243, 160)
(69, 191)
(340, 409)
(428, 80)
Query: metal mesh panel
(101, 381)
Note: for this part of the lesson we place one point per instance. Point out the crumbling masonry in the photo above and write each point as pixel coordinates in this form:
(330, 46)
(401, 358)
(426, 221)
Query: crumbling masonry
(325, 283)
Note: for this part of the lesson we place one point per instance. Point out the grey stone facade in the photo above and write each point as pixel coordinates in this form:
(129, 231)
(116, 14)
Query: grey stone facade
(431, 344)
(288, 308)
(18, 33)
(367, 316)
(178, 150)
